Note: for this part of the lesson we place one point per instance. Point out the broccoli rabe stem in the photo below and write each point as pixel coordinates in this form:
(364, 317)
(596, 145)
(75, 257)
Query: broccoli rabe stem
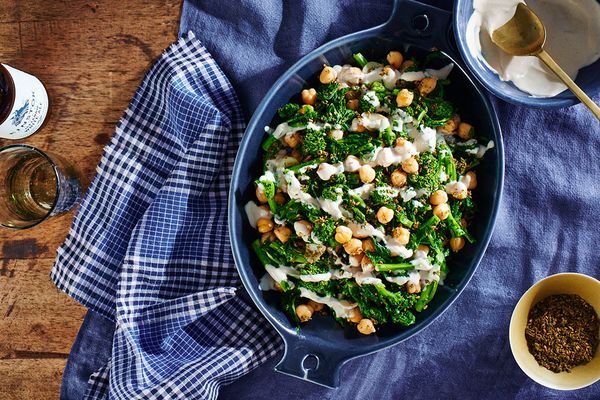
(394, 267)
(268, 188)
(423, 229)
(426, 296)
(298, 167)
(268, 142)
(457, 230)
(360, 59)
(262, 256)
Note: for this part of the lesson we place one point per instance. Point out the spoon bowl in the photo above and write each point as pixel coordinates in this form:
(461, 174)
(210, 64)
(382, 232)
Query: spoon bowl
(523, 35)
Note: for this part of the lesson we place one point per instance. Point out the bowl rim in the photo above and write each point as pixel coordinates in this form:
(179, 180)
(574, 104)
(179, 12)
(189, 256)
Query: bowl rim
(512, 328)
(536, 102)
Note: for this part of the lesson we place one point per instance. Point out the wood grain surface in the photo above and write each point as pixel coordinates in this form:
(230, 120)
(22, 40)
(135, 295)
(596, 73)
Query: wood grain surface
(91, 55)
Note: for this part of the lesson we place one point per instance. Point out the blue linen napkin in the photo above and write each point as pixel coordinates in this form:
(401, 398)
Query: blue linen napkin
(149, 248)
(546, 223)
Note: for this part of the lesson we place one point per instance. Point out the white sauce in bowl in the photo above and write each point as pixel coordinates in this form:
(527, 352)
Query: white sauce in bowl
(572, 39)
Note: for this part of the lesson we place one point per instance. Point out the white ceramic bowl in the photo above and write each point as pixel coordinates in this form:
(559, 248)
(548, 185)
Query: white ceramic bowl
(567, 283)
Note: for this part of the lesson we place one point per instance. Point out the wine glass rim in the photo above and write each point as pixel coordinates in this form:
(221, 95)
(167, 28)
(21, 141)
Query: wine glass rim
(56, 175)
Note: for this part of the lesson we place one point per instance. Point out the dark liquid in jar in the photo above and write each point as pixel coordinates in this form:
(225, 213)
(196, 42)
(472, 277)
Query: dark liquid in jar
(4, 97)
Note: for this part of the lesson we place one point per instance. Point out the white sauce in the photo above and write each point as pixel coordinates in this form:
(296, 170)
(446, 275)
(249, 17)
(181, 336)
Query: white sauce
(294, 190)
(425, 138)
(332, 207)
(366, 278)
(573, 40)
(371, 121)
(341, 308)
(326, 170)
(280, 274)
(254, 213)
(302, 230)
(284, 129)
(316, 277)
(371, 97)
(362, 191)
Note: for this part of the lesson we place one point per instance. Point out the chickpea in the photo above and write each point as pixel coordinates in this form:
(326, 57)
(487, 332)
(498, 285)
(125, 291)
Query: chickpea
(413, 287)
(353, 104)
(465, 131)
(452, 124)
(355, 315)
(366, 173)
(305, 108)
(304, 312)
(292, 140)
(398, 178)
(424, 248)
(438, 197)
(460, 194)
(410, 165)
(315, 306)
(296, 154)
(400, 142)
(394, 58)
(267, 236)
(343, 234)
(309, 96)
(283, 233)
(404, 98)
(360, 128)
(365, 326)
(308, 227)
(279, 198)
(352, 94)
(426, 86)
(368, 245)
(328, 75)
(401, 234)
(353, 247)
(366, 264)
(406, 65)
(336, 134)
(264, 225)
(265, 207)
(456, 244)
(442, 211)
(385, 215)
(472, 180)
(260, 195)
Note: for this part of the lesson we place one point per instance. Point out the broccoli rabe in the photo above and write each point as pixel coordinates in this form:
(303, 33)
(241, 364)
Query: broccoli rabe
(314, 143)
(324, 229)
(380, 304)
(268, 188)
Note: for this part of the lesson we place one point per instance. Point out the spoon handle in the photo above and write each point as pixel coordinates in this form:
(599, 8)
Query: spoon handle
(585, 99)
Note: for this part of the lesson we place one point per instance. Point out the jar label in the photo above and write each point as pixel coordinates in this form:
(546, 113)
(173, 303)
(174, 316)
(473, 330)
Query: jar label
(29, 109)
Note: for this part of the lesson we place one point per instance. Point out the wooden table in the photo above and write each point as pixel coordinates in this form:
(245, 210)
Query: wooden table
(91, 55)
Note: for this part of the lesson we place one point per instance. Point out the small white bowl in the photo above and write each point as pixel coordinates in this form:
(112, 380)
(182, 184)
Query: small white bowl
(567, 283)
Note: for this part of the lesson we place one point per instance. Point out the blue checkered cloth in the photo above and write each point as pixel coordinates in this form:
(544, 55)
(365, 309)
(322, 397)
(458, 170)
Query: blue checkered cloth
(149, 247)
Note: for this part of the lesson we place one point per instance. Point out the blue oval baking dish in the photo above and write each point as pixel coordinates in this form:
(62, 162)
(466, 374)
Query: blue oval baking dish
(414, 29)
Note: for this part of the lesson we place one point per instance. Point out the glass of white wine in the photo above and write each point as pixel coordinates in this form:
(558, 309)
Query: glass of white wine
(34, 186)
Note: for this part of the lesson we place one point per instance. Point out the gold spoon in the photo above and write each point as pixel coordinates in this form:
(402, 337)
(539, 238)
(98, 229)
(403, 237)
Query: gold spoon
(524, 35)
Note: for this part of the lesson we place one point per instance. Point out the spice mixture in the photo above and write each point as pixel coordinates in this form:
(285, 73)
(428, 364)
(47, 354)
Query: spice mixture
(562, 332)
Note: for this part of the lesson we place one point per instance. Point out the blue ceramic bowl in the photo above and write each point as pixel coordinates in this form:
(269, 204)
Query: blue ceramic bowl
(588, 78)
(414, 28)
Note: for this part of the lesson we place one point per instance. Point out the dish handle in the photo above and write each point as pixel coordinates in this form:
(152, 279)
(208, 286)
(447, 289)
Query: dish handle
(422, 25)
(311, 361)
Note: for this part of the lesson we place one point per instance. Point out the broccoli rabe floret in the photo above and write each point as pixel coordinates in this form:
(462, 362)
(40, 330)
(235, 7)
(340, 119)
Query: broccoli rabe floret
(268, 188)
(378, 303)
(324, 229)
(429, 175)
(314, 143)
(288, 111)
